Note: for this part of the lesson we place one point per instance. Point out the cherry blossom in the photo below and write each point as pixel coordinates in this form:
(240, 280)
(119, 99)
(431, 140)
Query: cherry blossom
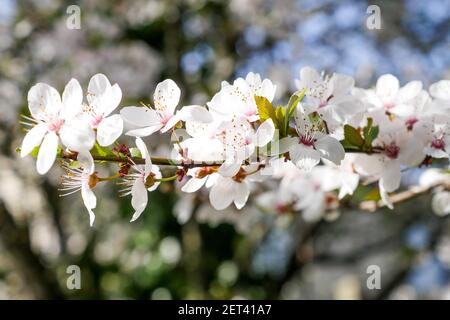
(54, 119)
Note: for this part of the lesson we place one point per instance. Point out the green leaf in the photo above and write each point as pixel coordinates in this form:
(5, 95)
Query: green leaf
(293, 102)
(352, 136)
(266, 109)
(135, 153)
(280, 113)
(98, 150)
(372, 195)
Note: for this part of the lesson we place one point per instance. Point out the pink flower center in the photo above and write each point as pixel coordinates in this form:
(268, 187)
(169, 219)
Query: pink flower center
(438, 144)
(306, 140)
(392, 150)
(410, 123)
(56, 125)
(389, 105)
(165, 120)
(96, 121)
(250, 113)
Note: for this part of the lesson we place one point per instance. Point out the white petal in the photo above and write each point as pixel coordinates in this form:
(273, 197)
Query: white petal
(268, 89)
(144, 132)
(47, 153)
(140, 116)
(387, 86)
(194, 184)
(43, 100)
(331, 149)
(72, 99)
(195, 113)
(166, 97)
(441, 90)
(33, 138)
(113, 99)
(391, 176)
(411, 153)
(308, 78)
(241, 194)
(304, 157)
(385, 198)
(171, 123)
(89, 199)
(86, 161)
(221, 194)
(265, 133)
(157, 172)
(409, 91)
(230, 167)
(145, 154)
(98, 87)
(77, 135)
(284, 145)
(109, 129)
(139, 198)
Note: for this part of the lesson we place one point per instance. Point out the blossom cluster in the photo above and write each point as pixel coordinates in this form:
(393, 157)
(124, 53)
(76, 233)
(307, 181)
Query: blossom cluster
(329, 139)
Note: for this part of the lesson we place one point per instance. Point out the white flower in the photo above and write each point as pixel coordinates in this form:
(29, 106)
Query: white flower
(240, 140)
(54, 118)
(162, 117)
(82, 179)
(103, 99)
(344, 176)
(238, 99)
(228, 190)
(329, 96)
(311, 145)
(435, 136)
(391, 98)
(400, 148)
(142, 180)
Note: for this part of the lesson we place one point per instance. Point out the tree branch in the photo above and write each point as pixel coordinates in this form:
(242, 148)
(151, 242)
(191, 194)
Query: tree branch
(404, 195)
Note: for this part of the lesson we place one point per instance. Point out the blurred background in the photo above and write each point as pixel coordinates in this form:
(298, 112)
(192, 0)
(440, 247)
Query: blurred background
(180, 247)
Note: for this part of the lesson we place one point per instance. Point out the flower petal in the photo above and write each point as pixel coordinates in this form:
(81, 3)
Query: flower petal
(166, 97)
(391, 176)
(72, 99)
(140, 116)
(143, 132)
(145, 154)
(195, 113)
(409, 91)
(331, 149)
(265, 133)
(193, 184)
(221, 194)
(89, 199)
(441, 90)
(86, 161)
(109, 130)
(304, 157)
(43, 100)
(47, 153)
(387, 86)
(77, 135)
(139, 198)
(241, 194)
(33, 138)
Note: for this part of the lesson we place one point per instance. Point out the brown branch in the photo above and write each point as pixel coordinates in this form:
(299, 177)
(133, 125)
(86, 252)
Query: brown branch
(404, 195)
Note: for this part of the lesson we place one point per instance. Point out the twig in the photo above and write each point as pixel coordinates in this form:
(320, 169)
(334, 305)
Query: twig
(404, 195)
